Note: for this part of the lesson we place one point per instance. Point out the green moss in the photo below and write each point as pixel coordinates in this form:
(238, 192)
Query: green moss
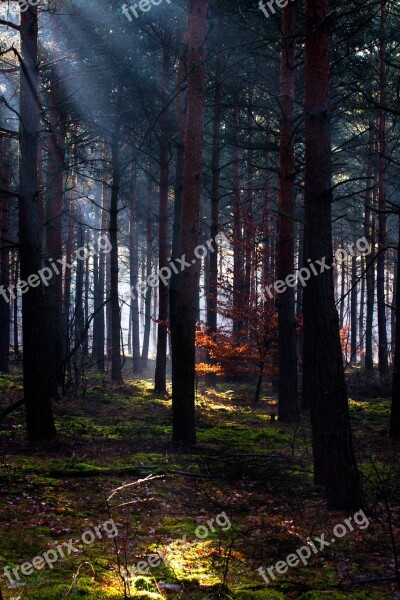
(259, 595)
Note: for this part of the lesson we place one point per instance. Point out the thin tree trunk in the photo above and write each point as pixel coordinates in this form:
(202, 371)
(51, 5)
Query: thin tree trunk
(79, 318)
(160, 382)
(15, 308)
(369, 233)
(395, 409)
(5, 180)
(238, 254)
(100, 309)
(394, 300)
(133, 272)
(68, 278)
(39, 415)
(212, 295)
(380, 282)
(116, 372)
(324, 383)
(183, 382)
(353, 310)
(181, 99)
(362, 311)
(149, 249)
(288, 393)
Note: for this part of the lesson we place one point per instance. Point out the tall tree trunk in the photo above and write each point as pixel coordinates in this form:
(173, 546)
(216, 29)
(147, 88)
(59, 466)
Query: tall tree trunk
(133, 272)
(97, 292)
(212, 292)
(361, 316)
(394, 300)
(181, 99)
(149, 252)
(249, 241)
(116, 372)
(15, 308)
(68, 279)
(183, 382)
(5, 180)
(353, 310)
(39, 415)
(238, 254)
(79, 317)
(100, 309)
(160, 382)
(334, 460)
(382, 163)
(369, 233)
(288, 393)
(395, 410)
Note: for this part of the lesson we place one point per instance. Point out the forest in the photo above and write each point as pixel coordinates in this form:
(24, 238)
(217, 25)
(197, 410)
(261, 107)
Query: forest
(199, 304)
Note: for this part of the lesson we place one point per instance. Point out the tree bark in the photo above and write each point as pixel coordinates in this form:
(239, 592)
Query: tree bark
(181, 100)
(149, 252)
(382, 163)
(238, 254)
(116, 372)
(353, 310)
(334, 459)
(5, 180)
(288, 392)
(395, 409)
(39, 415)
(212, 295)
(160, 380)
(133, 272)
(183, 383)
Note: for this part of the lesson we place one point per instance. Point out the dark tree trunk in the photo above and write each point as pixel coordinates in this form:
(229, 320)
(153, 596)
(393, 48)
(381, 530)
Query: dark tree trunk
(395, 411)
(380, 280)
(181, 99)
(133, 273)
(100, 310)
(116, 372)
(5, 180)
(98, 290)
(15, 309)
(369, 232)
(183, 383)
(39, 415)
(353, 310)
(68, 279)
(212, 295)
(362, 312)
(149, 252)
(79, 318)
(288, 393)
(160, 382)
(334, 460)
(238, 254)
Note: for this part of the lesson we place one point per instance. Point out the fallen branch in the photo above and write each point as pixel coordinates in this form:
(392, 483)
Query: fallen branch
(11, 409)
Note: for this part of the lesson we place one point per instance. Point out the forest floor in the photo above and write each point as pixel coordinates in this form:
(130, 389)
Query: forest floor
(246, 465)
